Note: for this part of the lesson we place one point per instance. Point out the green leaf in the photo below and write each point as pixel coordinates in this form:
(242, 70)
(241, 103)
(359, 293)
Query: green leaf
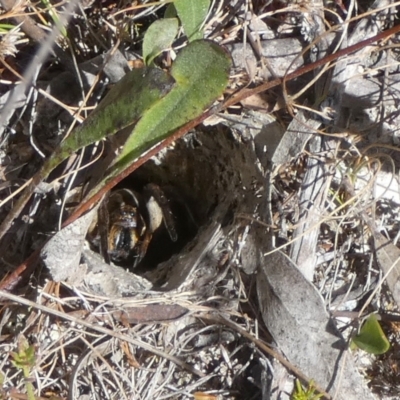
(126, 102)
(4, 28)
(123, 106)
(159, 37)
(170, 11)
(192, 14)
(371, 337)
(201, 72)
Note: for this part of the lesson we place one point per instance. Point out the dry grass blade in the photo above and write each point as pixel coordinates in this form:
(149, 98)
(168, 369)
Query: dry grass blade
(105, 331)
(187, 323)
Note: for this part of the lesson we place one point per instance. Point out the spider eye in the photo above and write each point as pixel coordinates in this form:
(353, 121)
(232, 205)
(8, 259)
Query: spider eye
(128, 213)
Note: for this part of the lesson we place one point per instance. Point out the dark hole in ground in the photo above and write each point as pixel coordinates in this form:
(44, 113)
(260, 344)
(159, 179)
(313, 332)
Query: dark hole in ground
(184, 200)
(161, 246)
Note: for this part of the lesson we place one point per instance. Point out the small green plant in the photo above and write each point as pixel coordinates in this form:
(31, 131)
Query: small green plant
(305, 394)
(371, 338)
(5, 28)
(25, 360)
(161, 33)
(150, 101)
(54, 16)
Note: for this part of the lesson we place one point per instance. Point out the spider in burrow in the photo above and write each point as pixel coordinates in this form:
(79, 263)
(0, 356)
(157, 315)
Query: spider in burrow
(126, 223)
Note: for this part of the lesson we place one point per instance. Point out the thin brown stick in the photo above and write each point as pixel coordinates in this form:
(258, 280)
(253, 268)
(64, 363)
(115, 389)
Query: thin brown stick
(98, 328)
(241, 95)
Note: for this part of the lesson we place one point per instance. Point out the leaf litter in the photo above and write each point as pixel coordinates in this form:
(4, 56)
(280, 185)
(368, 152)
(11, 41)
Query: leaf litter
(330, 201)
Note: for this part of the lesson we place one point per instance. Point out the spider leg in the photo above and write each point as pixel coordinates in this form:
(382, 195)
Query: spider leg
(154, 191)
(103, 227)
(141, 248)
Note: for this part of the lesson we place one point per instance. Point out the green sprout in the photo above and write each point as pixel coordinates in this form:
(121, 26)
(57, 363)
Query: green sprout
(25, 360)
(306, 394)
